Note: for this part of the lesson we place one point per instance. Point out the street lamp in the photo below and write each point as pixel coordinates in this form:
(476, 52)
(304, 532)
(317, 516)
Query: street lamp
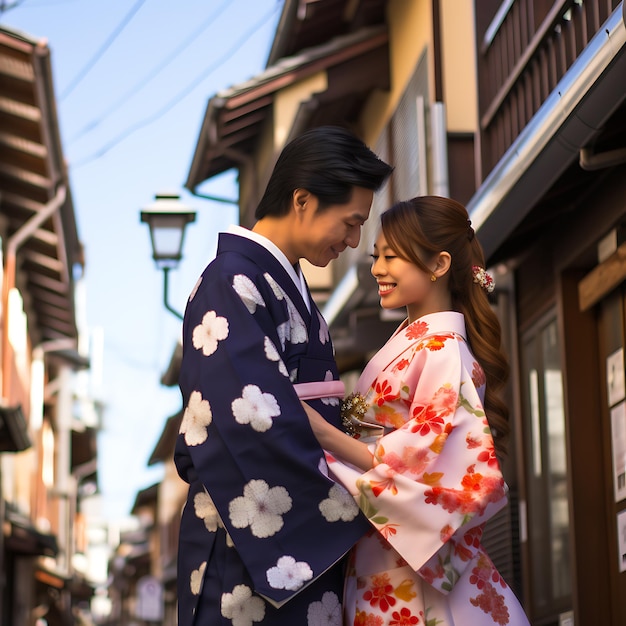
(167, 217)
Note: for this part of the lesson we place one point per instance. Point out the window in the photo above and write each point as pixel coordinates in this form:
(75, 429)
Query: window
(548, 538)
(408, 132)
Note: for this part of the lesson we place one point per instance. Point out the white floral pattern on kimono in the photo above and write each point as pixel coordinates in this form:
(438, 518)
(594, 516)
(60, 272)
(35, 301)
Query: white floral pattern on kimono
(265, 530)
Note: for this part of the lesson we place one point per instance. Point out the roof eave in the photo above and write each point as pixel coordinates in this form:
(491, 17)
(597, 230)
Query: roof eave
(567, 121)
(256, 96)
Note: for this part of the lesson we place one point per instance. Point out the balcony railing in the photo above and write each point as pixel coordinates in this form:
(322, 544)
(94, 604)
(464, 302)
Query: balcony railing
(526, 50)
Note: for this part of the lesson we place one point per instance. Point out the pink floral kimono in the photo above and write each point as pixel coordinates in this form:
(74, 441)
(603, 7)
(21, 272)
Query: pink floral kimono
(435, 482)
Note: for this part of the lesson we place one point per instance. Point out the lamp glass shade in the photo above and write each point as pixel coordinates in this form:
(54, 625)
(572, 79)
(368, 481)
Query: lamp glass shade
(167, 219)
(167, 233)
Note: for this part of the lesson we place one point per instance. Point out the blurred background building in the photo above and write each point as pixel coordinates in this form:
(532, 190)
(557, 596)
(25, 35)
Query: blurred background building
(49, 410)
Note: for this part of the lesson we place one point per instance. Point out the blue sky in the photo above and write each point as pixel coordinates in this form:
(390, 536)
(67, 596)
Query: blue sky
(132, 81)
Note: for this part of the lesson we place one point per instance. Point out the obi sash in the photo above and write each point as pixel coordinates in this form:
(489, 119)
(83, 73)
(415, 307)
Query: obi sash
(320, 389)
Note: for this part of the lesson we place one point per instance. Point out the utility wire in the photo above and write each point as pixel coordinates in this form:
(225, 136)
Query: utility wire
(155, 71)
(112, 37)
(38, 4)
(4, 6)
(181, 94)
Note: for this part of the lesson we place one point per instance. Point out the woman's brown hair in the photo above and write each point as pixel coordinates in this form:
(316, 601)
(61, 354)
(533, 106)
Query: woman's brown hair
(424, 226)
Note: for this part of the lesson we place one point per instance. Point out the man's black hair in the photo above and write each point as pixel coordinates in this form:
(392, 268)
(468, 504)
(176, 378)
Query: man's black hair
(327, 161)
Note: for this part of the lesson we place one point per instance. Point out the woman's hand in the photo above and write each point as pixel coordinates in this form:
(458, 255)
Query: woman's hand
(337, 442)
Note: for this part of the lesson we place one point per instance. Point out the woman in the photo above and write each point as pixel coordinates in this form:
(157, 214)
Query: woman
(423, 463)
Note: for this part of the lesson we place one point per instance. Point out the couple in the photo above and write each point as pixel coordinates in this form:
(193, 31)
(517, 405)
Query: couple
(276, 500)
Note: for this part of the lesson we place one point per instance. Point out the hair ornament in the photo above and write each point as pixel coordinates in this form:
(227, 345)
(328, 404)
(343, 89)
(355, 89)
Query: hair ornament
(483, 279)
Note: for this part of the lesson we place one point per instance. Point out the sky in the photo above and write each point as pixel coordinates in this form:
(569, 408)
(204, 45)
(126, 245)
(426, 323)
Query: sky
(132, 81)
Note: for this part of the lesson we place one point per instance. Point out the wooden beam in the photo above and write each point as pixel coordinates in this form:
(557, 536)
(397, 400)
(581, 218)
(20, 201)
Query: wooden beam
(602, 279)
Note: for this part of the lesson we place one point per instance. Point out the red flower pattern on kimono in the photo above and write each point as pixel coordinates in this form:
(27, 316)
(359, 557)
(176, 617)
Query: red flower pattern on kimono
(403, 617)
(473, 442)
(430, 575)
(384, 392)
(478, 375)
(430, 417)
(388, 530)
(413, 460)
(462, 552)
(488, 454)
(434, 464)
(378, 486)
(380, 593)
(491, 602)
(436, 342)
(416, 330)
(446, 532)
(477, 492)
(402, 364)
(367, 619)
(473, 536)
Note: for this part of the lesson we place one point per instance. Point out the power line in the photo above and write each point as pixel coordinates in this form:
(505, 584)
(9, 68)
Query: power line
(181, 94)
(154, 72)
(38, 4)
(112, 37)
(4, 7)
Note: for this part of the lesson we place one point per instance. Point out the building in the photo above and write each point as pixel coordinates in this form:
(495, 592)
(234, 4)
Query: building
(551, 209)
(48, 456)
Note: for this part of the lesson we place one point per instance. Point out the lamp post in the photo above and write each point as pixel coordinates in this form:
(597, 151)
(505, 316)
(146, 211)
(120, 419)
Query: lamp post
(167, 217)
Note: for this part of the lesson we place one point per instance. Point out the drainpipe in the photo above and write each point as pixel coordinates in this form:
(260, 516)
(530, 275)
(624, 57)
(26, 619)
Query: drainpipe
(439, 133)
(590, 160)
(241, 159)
(63, 446)
(244, 159)
(62, 468)
(37, 387)
(206, 196)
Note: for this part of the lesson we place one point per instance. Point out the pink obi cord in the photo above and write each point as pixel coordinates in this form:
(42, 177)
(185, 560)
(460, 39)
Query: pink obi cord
(321, 389)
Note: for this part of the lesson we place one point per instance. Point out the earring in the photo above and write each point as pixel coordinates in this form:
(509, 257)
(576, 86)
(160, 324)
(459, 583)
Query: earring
(433, 278)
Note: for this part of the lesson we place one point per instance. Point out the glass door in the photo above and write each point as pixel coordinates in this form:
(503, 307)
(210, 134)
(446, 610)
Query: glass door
(546, 471)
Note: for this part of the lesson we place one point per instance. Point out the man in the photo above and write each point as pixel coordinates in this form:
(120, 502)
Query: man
(264, 530)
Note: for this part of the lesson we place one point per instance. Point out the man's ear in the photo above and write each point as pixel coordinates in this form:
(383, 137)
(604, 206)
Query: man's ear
(300, 198)
(444, 260)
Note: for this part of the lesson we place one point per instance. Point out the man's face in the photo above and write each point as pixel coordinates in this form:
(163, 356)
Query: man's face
(324, 235)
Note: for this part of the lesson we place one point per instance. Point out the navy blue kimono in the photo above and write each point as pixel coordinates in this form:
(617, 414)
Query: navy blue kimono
(264, 530)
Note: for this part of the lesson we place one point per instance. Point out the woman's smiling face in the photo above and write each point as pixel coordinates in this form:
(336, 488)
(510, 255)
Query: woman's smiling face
(402, 283)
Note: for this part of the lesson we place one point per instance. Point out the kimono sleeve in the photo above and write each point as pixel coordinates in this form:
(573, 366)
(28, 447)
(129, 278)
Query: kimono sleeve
(249, 440)
(437, 473)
